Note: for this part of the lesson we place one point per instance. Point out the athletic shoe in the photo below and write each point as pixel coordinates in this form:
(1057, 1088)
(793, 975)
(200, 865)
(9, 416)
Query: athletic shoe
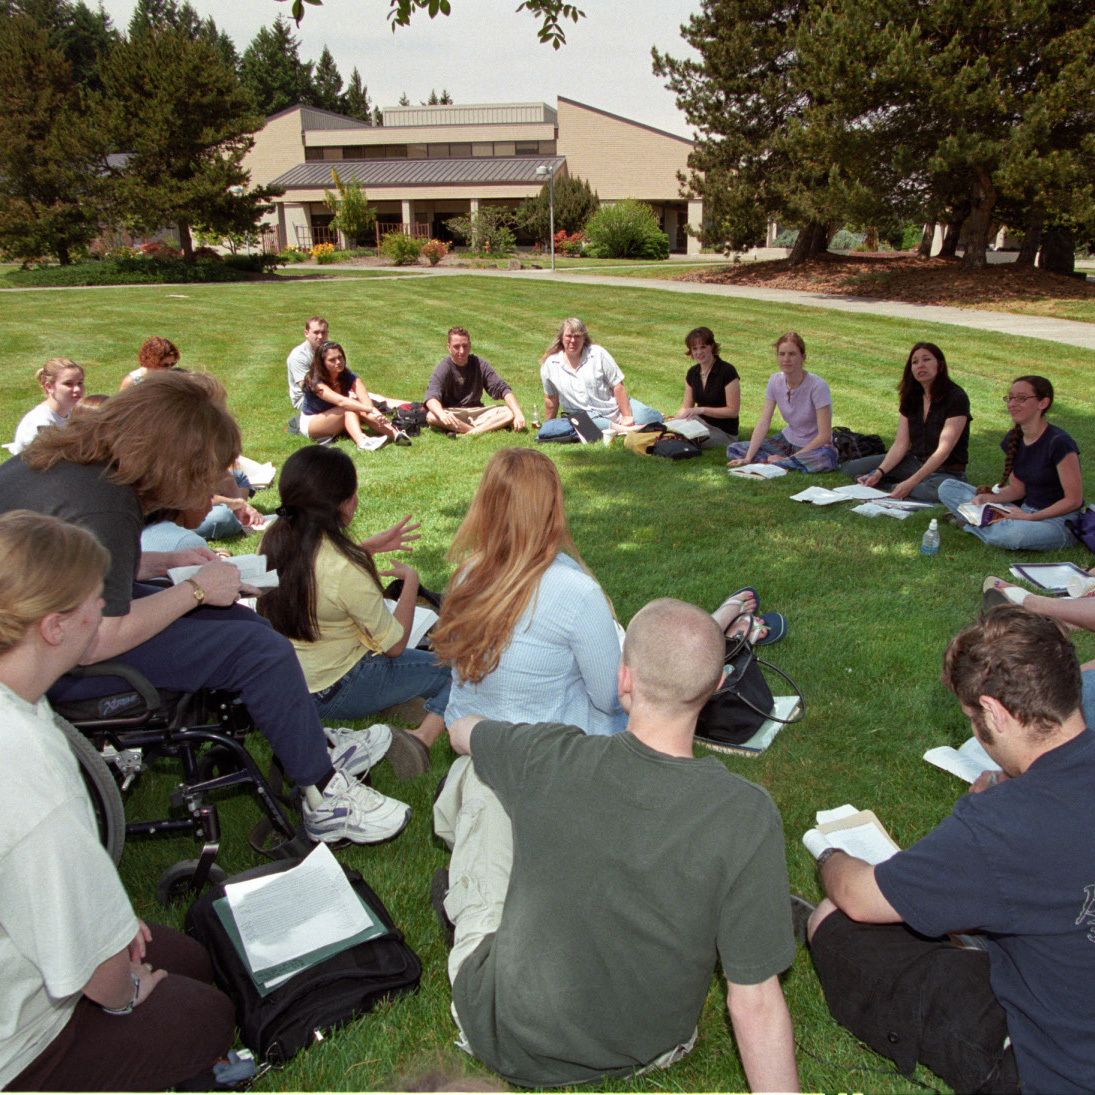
(356, 751)
(352, 811)
(401, 438)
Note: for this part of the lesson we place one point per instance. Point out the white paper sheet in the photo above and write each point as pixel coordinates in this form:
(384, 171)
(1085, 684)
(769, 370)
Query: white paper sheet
(759, 471)
(259, 475)
(820, 496)
(283, 916)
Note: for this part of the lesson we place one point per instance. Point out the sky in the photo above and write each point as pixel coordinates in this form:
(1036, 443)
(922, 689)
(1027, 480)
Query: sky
(484, 52)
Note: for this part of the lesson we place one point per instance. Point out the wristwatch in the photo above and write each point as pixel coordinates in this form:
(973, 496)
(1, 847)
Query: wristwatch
(199, 593)
(136, 992)
(829, 852)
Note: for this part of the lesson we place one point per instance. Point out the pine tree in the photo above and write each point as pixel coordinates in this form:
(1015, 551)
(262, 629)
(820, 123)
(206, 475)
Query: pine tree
(271, 69)
(355, 100)
(186, 123)
(403, 100)
(575, 203)
(52, 150)
(327, 82)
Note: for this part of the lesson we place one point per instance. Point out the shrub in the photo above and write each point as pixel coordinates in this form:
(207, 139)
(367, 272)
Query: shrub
(160, 249)
(487, 231)
(788, 237)
(569, 245)
(324, 253)
(847, 241)
(292, 254)
(435, 251)
(400, 250)
(206, 254)
(138, 271)
(628, 229)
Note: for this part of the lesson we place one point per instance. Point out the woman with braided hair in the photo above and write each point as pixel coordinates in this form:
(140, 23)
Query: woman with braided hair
(1041, 477)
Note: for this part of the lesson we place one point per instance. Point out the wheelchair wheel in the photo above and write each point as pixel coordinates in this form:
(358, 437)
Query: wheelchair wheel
(174, 883)
(102, 790)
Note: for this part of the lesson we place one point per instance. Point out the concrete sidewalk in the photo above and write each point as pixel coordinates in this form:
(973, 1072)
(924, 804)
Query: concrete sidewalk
(1069, 332)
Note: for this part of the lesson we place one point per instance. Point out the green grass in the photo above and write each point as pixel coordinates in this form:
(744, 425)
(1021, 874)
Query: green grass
(869, 617)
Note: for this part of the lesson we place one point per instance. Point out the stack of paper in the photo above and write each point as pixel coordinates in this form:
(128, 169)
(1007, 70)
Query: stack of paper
(424, 619)
(287, 922)
(759, 471)
(252, 570)
(258, 475)
(857, 832)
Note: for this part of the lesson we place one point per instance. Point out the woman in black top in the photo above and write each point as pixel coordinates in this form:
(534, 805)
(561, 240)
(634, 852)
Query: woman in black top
(712, 391)
(933, 432)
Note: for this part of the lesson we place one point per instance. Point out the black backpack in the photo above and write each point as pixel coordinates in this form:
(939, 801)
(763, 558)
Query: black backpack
(348, 984)
(410, 418)
(850, 445)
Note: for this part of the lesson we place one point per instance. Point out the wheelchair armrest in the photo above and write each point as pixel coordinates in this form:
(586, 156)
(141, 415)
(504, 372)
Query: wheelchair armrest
(128, 673)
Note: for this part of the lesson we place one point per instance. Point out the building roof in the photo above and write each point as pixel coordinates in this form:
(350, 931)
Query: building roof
(316, 174)
(460, 114)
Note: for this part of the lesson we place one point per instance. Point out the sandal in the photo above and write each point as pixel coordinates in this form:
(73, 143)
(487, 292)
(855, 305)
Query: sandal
(737, 599)
(776, 628)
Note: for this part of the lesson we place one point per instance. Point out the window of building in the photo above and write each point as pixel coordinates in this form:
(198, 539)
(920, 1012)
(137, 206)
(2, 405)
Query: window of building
(460, 150)
(311, 154)
(526, 148)
(353, 152)
(482, 148)
(437, 151)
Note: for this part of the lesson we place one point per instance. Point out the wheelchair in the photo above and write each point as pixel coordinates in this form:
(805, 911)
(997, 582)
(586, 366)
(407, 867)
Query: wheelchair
(115, 737)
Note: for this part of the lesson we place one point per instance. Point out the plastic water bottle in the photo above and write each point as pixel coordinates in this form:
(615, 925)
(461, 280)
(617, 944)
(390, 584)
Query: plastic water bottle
(930, 544)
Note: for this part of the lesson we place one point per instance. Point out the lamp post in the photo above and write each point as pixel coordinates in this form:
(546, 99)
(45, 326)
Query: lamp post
(543, 170)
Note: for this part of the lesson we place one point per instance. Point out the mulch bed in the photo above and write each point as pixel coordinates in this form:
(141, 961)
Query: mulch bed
(905, 278)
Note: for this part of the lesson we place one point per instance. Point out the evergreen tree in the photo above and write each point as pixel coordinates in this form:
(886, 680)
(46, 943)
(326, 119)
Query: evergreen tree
(271, 69)
(81, 35)
(575, 203)
(355, 100)
(446, 98)
(186, 123)
(378, 116)
(327, 82)
(403, 100)
(52, 152)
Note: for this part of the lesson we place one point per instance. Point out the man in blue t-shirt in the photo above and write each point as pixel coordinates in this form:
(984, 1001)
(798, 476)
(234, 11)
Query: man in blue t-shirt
(1014, 863)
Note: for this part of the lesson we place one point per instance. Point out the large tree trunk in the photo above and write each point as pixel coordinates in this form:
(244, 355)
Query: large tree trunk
(812, 240)
(1032, 239)
(63, 256)
(1058, 252)
(926, 237)
(949, 247)
(185, 242)
(979, 222)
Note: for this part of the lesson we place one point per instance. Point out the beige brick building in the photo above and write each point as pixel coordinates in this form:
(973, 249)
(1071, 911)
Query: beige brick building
(429, 163)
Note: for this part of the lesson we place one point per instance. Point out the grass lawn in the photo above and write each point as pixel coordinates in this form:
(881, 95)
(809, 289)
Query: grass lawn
(869, 617)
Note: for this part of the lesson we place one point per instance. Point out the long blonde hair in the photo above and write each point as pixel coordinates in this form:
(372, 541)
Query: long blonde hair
(577, 327)
(49, 566)
(515, 527)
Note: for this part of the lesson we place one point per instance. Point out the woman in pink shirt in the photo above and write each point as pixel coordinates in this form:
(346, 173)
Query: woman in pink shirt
(806, 441)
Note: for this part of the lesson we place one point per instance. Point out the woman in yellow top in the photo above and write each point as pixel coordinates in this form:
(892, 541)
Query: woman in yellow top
(330, 605)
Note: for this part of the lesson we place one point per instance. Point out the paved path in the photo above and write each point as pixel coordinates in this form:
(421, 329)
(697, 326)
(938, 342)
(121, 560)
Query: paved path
(1070, 332)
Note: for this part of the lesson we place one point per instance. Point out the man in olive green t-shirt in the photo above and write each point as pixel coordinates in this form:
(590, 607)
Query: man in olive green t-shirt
(594, 880)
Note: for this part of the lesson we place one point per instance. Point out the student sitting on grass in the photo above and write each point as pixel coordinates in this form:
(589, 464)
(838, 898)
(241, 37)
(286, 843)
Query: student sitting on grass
(933, 432)
(63, 382)
(1041, 471)
(712, 389)
(330, 604)
(92, 998)
(805, 442)
(154, 355)
(336, 402)
(163, 444)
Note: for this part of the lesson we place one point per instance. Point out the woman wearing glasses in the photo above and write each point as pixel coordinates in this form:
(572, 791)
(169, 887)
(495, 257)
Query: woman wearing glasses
(1041, 483)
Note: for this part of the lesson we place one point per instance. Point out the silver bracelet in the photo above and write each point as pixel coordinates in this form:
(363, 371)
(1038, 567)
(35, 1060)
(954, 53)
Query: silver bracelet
(132, 1003)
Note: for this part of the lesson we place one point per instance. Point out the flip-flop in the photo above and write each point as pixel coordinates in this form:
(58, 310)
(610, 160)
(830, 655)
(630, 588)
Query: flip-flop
(776, 623)
(734, 599)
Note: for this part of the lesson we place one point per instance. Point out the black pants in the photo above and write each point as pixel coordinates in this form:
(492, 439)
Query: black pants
(913, 999)
(177, 1033)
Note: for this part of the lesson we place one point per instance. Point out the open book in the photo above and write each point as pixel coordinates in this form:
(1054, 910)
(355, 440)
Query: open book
(980, 516)
(759, 471)
(1053, 577)
(252, 570)
(857, 832)
(259, 475)
(966, 762)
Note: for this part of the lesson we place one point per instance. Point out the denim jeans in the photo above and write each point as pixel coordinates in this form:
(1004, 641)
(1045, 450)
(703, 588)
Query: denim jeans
(1048, 535)
(377, 682)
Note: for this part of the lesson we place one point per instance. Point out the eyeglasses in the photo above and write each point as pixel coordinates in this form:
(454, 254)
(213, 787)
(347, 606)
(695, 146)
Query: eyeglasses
(1009, 399)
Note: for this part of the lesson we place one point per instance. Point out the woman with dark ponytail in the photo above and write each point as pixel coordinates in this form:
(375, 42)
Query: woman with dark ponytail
(1041, 471)
(329, 603)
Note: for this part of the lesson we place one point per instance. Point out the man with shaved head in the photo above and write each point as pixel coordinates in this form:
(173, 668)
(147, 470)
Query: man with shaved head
(594, 880)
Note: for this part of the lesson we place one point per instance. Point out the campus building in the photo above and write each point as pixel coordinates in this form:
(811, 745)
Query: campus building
(429, 163)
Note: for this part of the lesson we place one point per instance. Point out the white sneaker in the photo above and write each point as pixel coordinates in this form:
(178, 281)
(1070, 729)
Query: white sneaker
(352, 811)
(356, 751)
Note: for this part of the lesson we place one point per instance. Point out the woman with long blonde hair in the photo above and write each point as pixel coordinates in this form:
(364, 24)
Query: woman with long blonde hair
(529, 633)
